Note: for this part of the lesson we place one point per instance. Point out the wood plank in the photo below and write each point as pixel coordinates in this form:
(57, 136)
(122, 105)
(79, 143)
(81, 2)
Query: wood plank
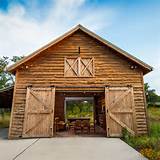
(123, 125)
(38, 99)
(118, 99)
(38, 120)
(53, 115)
(121, 110)
(25, 112)
(106, 111)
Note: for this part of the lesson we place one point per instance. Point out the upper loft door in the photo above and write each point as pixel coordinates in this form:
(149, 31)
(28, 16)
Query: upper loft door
(79, 67)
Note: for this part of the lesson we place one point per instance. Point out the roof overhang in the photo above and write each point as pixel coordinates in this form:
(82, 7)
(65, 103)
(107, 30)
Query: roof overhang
(147, 68)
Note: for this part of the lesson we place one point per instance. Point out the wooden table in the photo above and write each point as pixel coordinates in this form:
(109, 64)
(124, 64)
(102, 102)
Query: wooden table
(80, 118)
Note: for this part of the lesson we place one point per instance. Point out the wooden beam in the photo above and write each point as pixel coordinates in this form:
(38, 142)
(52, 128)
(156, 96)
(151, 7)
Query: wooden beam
(53, 100)
(25, 111)
(106, 111)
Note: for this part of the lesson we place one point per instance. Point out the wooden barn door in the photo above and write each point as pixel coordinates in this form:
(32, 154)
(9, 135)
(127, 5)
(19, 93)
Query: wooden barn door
(120, 113)
(39, 112)
(79, 67)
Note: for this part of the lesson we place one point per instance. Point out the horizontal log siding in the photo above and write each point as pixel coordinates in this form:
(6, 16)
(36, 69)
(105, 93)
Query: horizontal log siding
(48, 69)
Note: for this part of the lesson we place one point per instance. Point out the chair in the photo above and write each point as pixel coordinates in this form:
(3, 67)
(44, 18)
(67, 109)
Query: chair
(85, 126)
(78, 127)
(56, 124)
(61, 125)
(72, 127)
(92, 128)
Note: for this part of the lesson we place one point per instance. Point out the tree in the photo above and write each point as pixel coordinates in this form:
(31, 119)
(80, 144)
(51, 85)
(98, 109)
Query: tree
(16, 58)
(6, 78)
(151, 95)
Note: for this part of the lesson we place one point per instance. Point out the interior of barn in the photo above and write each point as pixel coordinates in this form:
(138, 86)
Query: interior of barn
(79, 114)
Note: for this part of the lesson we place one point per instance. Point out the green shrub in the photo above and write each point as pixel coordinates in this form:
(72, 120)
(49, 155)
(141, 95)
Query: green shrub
(149, 153)
(154, 113)
(149, 146)
(4, 120)
(155, 129)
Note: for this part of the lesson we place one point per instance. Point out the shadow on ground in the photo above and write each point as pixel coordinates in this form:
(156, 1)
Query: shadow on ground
(4, 133)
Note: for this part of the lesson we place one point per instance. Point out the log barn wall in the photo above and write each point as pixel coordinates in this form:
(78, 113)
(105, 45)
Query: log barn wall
(47, 69)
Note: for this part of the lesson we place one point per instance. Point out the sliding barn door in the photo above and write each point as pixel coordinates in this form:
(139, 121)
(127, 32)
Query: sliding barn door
(120, 113)
(39, 112)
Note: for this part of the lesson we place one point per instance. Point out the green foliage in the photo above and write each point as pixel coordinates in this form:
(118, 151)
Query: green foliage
(125, 135)
(4, 61)
(155, 129)
(76, 109)
(150, 153)
(16, 58)
(154, 113)
(4, 76)
(4, 119)
(151, 95)
(149, 146)
(6, 79)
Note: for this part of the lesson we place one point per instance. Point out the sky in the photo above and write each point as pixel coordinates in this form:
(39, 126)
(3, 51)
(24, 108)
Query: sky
(134, 26)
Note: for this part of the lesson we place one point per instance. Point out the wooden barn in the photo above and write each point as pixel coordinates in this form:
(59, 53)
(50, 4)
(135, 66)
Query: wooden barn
(79, 84)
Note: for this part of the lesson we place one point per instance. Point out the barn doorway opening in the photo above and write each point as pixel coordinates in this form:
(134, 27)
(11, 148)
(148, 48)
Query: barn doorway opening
(81, 108)
(79, 114)
(51, 113)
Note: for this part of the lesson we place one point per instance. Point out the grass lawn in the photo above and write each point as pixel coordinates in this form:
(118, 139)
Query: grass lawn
(4, 120)
(154, 113)
(149, 146)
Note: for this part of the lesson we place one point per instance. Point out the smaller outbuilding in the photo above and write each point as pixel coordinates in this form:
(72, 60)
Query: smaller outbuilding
(6, 96)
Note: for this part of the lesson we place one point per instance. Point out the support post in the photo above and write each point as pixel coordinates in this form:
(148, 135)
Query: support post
(106, 110)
